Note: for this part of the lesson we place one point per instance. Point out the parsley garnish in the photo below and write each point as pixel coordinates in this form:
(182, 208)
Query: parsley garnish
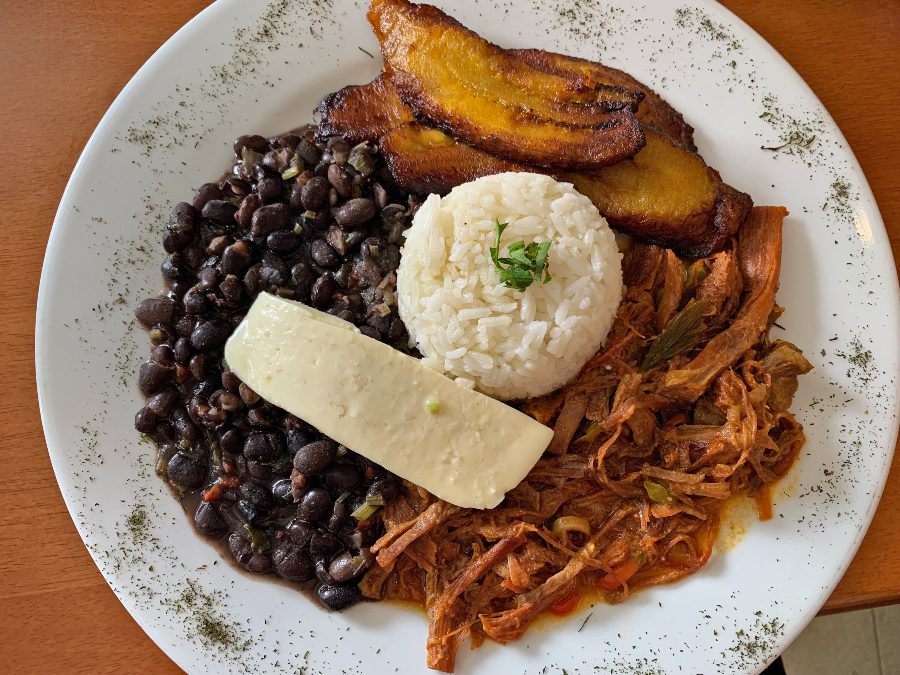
(525, 264)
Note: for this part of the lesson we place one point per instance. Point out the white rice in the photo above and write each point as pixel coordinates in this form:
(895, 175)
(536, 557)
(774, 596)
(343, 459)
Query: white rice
(507, 343)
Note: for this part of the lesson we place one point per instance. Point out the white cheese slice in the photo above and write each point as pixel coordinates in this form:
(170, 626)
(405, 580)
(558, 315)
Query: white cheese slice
(374, 400)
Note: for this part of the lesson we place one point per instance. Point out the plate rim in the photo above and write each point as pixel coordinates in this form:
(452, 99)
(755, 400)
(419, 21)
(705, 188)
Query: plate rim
(150, 68)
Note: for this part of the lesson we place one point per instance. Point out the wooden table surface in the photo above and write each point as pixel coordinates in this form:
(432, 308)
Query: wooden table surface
(64, 63)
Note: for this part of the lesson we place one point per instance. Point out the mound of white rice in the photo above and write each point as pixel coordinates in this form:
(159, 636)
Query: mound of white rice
(508, 343)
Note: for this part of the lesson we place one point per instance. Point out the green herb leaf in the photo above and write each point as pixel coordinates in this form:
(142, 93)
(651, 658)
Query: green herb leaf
(524, 264)
(682, 333)
(658, 493)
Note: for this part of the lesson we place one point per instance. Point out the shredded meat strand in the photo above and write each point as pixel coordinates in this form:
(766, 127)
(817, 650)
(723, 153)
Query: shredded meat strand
(640, 465)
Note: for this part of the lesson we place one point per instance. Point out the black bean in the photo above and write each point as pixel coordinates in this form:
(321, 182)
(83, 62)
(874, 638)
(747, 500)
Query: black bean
(250, 513)
(371, 332)
(323, 543)
(154, 310)
(152, 377)
(208, 519)
(235, 258)
(386, 488)
(322, 290)
(321, 568)
(185, 471)
(259, 419)
(194, 301)
(290, 562)
(315, 193)
(238, 186)
(259, 563)
(302, 276)
(240, 548)
(269, 190)
(163, 355)
(315, 505)
(232, 289)
(355, 238)
(171, 268)
(259, 470)
(184, 426)
(314, 457)
(219, 211)
(337, 598)
(340, 517)
(282, 241)
(269, 218)
(337, 239)
(254, 142)
(230, 381)
(180, 230)
(263, 447)
(197, 365)
(205, 193)
(163, 402)
(278, 160)
(342, 477)
(322, 254)
(338, 149)
(215, 247)
(232, 441)
(145, 420)
(248, 396)
(308, 152)
(355, 212)
(289, 141)
(282, 491)
(380, 195)
(224, 399)
(207, 278)
(256, 495)
(346, 566)
(300, 532)
(340, 181)
(177, 289)
(296, 439)
(249, 205)
(210, 334)
(186, 324)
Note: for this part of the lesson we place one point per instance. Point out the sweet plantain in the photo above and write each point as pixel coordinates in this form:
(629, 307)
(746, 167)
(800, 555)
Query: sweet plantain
(666, 194)
(653, 111)
(483, 95)
(362, 112)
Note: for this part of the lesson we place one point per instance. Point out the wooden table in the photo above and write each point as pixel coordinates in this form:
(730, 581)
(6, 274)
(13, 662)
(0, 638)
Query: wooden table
(64, 63)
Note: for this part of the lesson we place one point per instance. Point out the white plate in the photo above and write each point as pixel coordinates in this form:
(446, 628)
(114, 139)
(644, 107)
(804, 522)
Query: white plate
(243, 67)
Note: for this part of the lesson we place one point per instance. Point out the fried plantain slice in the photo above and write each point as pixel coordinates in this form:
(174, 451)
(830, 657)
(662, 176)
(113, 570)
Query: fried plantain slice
(363, 112)
(653, 111)
(478, 93)
(666, 194)
(424, 160)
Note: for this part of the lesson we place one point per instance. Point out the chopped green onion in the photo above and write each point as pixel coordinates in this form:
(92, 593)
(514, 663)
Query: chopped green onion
(565, 524)
(375, 500)
(433, 405)
(658, 493)
(364, 512)
(290, 172)
(259, 542)
(681, 334)
(383, 309)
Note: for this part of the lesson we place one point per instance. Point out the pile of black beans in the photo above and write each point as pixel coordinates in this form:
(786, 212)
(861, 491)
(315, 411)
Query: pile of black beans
(314, 220)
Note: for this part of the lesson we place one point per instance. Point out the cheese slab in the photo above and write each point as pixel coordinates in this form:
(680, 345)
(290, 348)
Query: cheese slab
(462, 446)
